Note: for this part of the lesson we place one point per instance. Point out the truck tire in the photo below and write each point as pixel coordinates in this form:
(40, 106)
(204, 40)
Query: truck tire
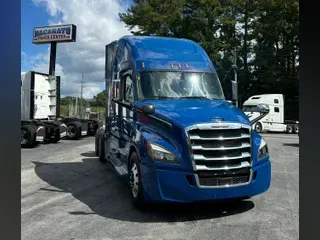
(98, 135)
(28, 136)
(135, 183)
(97, 145)
(289, 129)
(258, 127)
(296, 129)
(73, 131)
(101, 151)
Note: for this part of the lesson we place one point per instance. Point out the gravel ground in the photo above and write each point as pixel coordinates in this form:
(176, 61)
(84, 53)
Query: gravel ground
(67, 194)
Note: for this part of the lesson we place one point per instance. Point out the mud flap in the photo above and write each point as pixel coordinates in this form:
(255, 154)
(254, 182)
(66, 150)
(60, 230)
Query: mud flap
(84, 128)
(40, 134)
(63, 130)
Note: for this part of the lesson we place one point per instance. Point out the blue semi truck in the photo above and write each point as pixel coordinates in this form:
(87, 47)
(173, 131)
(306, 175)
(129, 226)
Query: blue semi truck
(169, 130)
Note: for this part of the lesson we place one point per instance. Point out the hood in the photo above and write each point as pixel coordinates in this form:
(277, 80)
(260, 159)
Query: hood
(186, 112)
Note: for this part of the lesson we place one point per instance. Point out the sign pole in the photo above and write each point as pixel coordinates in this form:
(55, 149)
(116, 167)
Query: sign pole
(52, 63)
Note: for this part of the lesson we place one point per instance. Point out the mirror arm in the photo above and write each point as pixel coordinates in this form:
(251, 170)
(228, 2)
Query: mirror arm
(259, 118)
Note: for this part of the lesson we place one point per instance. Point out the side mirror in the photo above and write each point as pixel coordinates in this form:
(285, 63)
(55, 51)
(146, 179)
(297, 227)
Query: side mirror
(147, 109)
(263, 108)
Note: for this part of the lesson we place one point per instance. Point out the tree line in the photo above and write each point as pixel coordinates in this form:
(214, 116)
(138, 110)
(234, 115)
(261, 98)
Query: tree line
(261, 35)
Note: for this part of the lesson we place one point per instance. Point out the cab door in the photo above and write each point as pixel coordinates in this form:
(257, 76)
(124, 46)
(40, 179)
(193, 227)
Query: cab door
(126, 113)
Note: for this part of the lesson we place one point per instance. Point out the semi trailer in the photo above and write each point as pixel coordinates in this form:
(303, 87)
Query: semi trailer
(40, 99)
(40, 112)
(276, 120)
(170, 132)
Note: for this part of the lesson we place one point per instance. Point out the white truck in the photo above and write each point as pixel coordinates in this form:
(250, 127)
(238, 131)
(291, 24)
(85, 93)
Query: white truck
(275, 120)
(40, 100)
(40, 112)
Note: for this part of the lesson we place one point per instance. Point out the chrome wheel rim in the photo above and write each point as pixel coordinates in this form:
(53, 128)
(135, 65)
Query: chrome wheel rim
(258, 128)
(134, 180)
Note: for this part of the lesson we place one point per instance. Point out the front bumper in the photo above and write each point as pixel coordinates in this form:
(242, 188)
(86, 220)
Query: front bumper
(172, 186)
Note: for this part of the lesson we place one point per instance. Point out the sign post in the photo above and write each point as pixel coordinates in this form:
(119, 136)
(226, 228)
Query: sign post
(53, 35)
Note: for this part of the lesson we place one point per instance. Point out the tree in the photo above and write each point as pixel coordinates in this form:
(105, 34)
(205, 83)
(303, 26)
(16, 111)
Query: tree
(264, 30)
(99, 100)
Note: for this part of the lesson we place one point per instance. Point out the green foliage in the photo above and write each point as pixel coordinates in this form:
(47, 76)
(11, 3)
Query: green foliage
(99, 100)
(273, 24)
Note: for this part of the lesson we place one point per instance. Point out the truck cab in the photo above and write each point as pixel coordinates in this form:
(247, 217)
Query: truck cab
(275, 120)
(169, 130)
(40, 100)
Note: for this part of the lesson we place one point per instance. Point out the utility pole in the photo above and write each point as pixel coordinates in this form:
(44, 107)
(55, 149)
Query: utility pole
(81, 96)
(235, 74)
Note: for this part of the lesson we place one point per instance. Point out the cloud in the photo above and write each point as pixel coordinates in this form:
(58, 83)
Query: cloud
(97, 24)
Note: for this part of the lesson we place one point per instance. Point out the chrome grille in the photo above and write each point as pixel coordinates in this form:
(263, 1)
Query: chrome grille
(218, 148)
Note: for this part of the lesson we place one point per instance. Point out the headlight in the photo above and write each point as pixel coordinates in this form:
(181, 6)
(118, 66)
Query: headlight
(160, 154)
(263, 149)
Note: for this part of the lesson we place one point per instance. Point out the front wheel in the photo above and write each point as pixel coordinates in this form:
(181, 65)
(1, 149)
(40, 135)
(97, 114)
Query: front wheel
(72, 132)
(135, 182)
(258, 127)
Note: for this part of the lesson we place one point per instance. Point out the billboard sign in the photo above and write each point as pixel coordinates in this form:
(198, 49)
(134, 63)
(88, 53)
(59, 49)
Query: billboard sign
(57, 33)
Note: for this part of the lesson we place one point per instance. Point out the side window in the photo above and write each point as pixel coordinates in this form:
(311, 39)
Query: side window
(276, 101)
(276, 109)
(128, 89)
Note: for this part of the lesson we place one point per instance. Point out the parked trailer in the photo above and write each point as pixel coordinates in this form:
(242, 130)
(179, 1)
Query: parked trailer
(40, 106)
(77, 128)
(170, 133)
(275, 121)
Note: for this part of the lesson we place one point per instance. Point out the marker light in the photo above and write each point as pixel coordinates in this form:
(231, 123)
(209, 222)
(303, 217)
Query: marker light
(142, 64)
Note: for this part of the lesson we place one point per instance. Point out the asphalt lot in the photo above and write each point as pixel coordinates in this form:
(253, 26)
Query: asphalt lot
(67, 194)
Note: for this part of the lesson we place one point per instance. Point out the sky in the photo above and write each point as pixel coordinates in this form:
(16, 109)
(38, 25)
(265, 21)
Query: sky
(97, 24)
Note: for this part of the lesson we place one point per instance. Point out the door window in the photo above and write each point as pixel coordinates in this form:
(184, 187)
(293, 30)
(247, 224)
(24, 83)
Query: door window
(128, 89)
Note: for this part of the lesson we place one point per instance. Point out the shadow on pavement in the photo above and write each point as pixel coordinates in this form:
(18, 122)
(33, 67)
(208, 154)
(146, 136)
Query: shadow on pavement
(88, 154)
(291, 144)
(97, 186)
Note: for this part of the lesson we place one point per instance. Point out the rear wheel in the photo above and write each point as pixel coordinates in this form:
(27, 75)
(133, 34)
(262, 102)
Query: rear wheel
(296, 129)
(135, 182)
(289, 129)
(28, 136)
(101, 151)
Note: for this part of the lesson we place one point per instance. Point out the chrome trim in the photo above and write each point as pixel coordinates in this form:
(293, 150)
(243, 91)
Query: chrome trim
(160, 120)
(243, 155)
(223, 186)
(242, 165)
(217, 125)
(243, 145)
(224, 125)
(196, 137)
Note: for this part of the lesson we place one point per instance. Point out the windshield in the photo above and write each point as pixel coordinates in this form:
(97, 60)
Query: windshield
(158, 85)
(250, 108)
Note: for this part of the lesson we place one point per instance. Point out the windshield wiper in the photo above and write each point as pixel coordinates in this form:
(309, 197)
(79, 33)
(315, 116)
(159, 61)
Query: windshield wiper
(160, 97)
(196, 97)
